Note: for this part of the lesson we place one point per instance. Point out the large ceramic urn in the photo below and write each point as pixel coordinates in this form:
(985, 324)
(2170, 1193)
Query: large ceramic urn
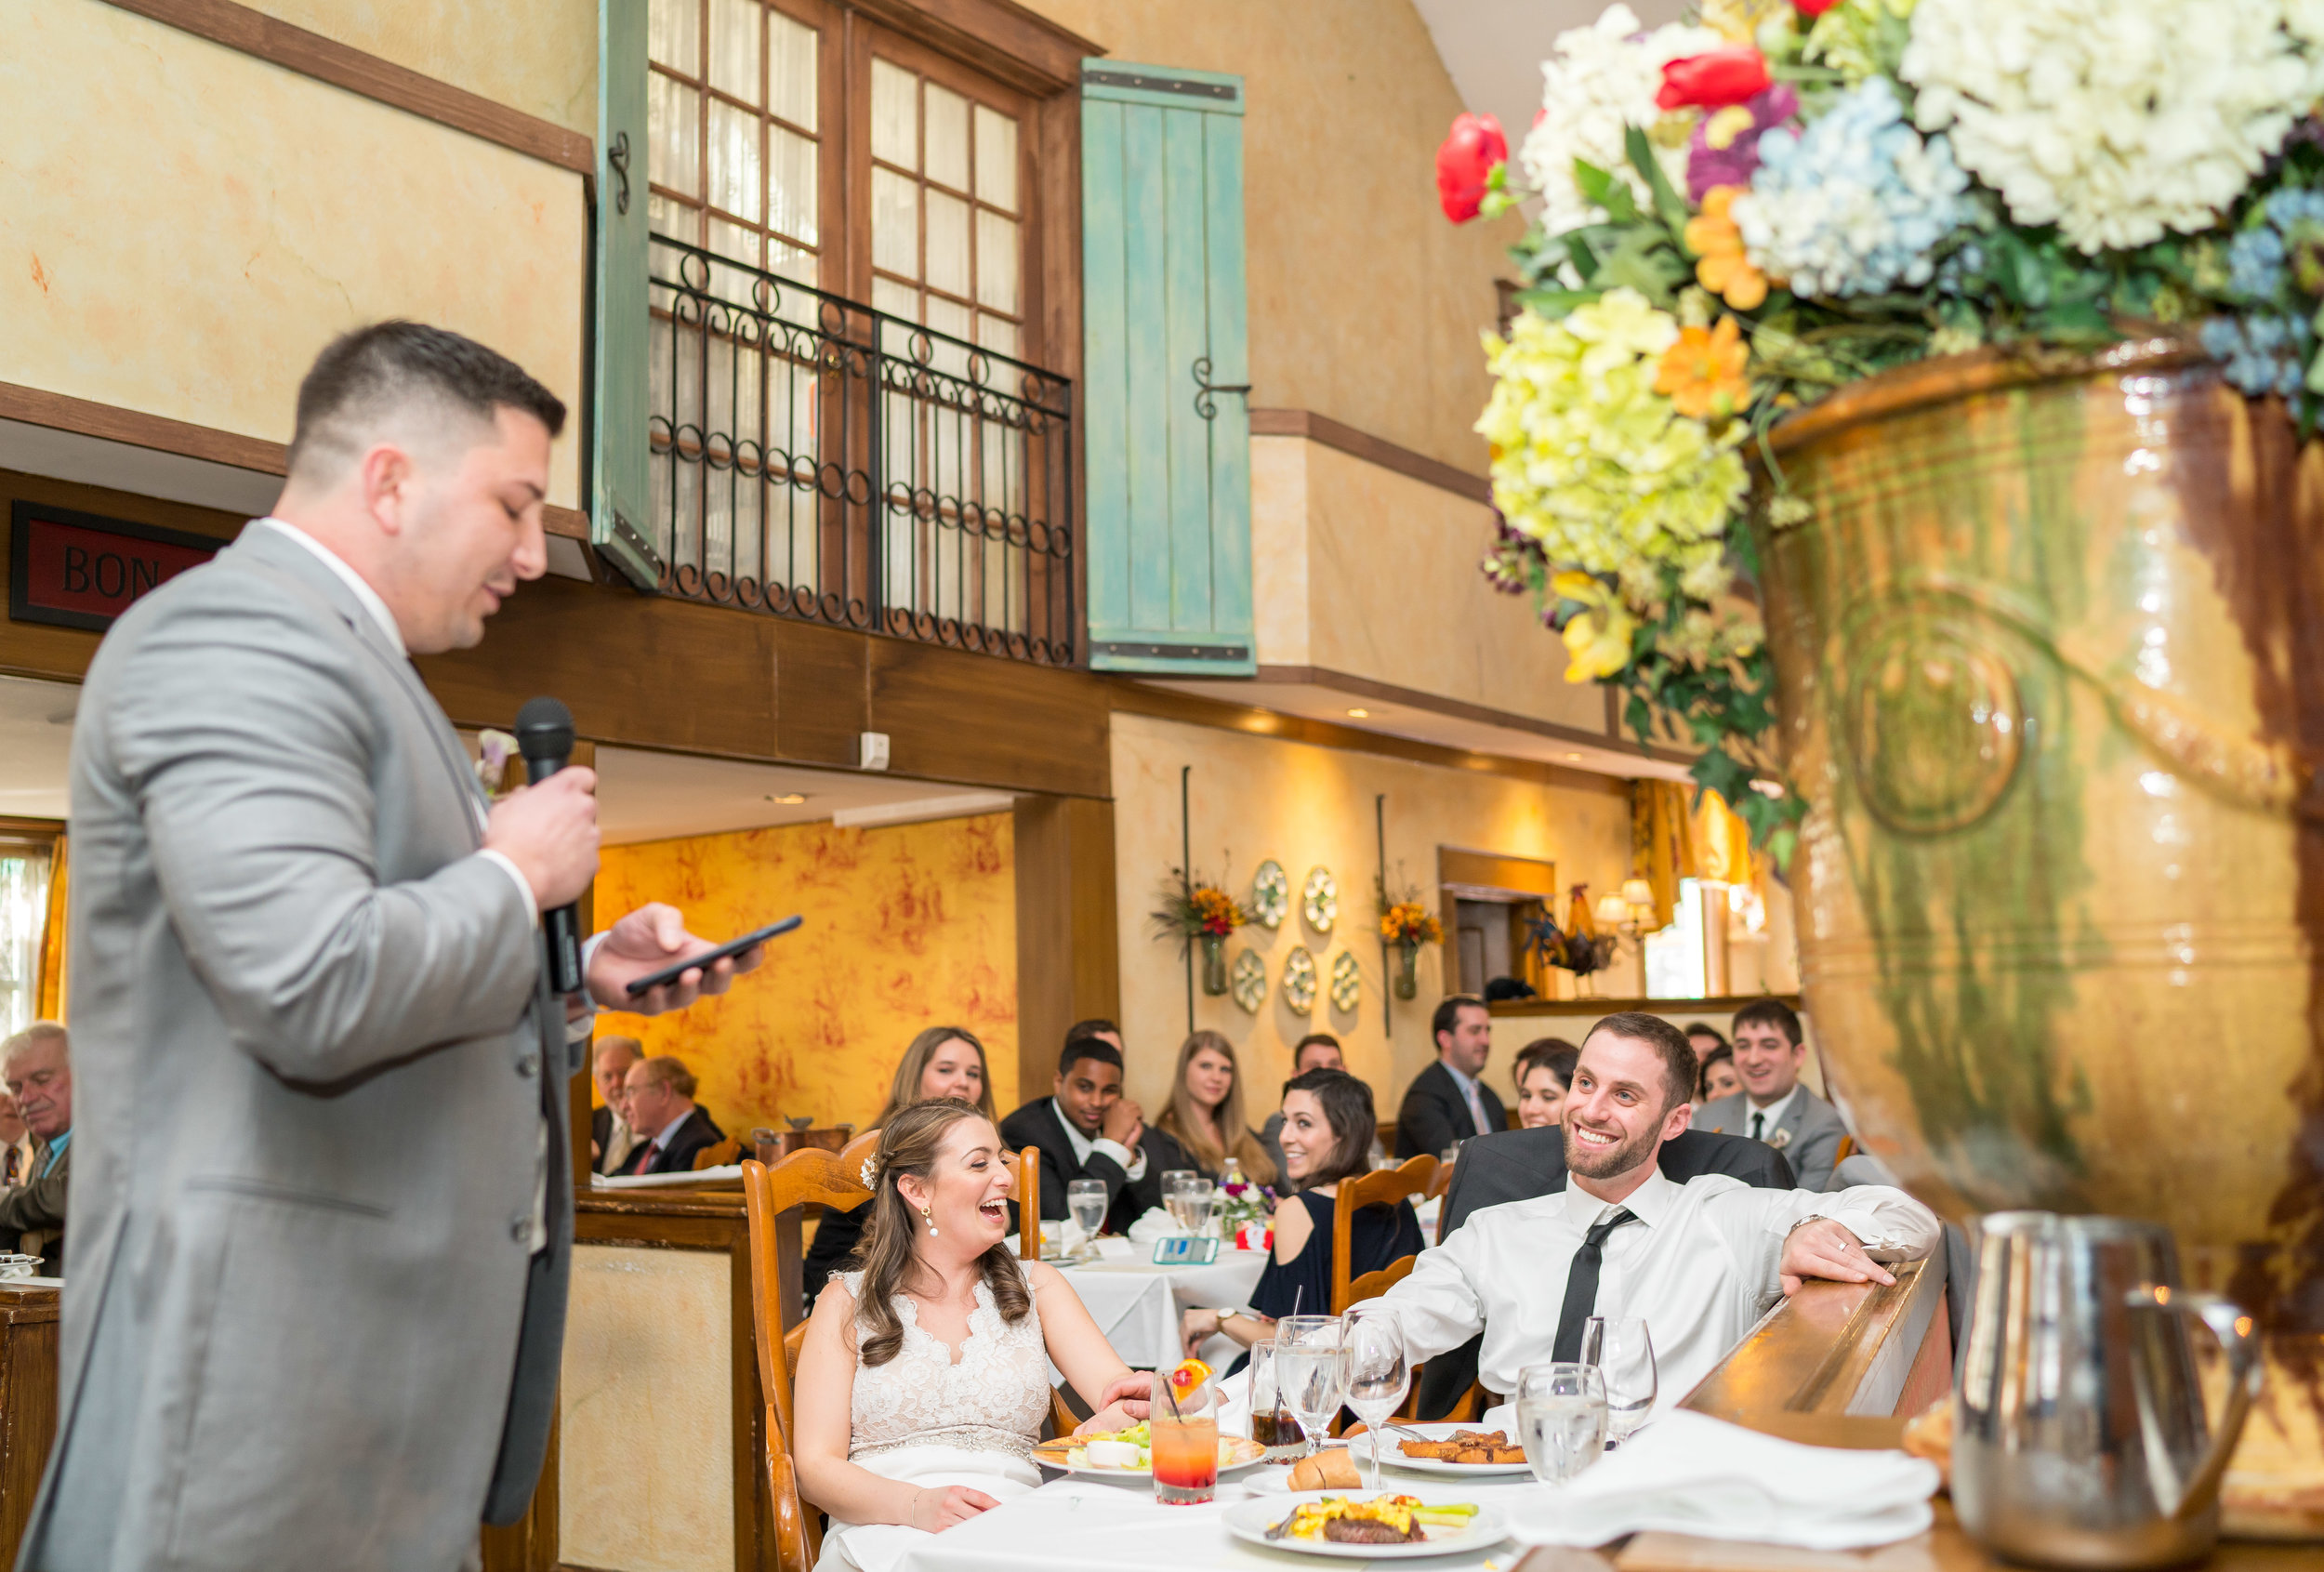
(2051, 656)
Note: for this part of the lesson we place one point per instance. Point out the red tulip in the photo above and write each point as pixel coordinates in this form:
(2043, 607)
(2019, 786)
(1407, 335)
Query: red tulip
(1465, 164)
(1814, 8)
(1713, 80)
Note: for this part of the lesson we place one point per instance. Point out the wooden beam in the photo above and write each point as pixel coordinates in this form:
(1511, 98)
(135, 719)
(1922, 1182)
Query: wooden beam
(1021, 47)
(1330, 433)
(1068, 958)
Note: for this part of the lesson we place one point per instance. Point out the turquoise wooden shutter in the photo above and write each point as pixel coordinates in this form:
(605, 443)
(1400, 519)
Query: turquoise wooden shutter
(618, 434)
(1165, 370)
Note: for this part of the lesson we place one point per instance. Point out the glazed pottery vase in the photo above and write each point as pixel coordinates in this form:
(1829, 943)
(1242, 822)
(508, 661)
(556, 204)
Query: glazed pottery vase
(1214, 977)
(2051, 661)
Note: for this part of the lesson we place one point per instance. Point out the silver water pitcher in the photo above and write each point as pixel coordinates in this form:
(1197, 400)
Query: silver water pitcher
(2079, 1437)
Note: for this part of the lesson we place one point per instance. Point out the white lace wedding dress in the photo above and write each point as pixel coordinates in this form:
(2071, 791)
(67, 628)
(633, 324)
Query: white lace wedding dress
(923, 1418)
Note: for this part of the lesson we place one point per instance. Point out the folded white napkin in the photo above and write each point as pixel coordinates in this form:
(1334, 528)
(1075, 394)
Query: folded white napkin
(1688, 1473)
(880, 1547)
(665, 1181)
(1155, 1225)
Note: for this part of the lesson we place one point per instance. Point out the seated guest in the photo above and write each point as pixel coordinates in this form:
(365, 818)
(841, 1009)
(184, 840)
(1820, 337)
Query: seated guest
(940, 1062)
(1087, 1129)
(1773, 1105)
(1545, 1069)
(1206, 1113)
(658, 1099)
(1317, 1050)
(923, 1432)
(1448, 1101)
(1697, 1260)
(36, 1067)
(1718, 1079)
(1327, 1121)
(1705, 1039)
(16, 1143)
(611, 1139)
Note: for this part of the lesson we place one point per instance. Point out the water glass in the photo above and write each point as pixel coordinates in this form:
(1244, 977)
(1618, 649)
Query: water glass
(1271, 1424)
(1311, 1373)
(1561, 1418)
(1086, 1199)
(1379, 1376)
(1619, 1347)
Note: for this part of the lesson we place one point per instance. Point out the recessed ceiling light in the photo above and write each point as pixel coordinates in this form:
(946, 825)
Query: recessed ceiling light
(1358, 714)
(1575, 757)
(788, 798)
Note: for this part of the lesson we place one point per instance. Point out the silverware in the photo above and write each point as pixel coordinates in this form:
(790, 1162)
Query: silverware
(1282, 1528)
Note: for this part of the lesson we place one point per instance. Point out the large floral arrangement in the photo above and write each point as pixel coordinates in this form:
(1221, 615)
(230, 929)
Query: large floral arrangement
(1740, 213)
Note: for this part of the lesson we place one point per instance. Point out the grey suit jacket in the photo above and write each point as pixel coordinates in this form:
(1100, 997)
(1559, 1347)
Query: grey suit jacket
(313, 1061)
(1808, 1134)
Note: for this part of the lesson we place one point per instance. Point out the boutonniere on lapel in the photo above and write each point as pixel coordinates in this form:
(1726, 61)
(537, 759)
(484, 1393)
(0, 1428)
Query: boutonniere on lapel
(494, 751)
(1779, 1140)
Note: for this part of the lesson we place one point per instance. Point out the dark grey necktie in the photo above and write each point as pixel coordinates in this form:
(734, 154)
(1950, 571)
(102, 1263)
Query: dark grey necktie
(1581, 1287)
(1759, 1126)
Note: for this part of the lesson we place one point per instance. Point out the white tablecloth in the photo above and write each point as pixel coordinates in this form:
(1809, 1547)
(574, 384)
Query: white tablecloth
(1136, 1303)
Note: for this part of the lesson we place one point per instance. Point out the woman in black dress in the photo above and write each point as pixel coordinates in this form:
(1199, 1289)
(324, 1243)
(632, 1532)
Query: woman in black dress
(942, 1062)
(1327, 1128)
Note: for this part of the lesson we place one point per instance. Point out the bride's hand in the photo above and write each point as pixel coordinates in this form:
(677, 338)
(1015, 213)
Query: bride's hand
(1133, 1392)
(1106, 1420)
(936, 1510)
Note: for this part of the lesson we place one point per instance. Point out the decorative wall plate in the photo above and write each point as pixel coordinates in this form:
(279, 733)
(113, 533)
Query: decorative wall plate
(1299, 980)
(1319, 902)
(1270, 894)
(1347, 983)
(1251, 980)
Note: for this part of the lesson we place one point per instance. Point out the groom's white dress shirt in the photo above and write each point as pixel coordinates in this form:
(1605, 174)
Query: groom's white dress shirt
(1700, 1265)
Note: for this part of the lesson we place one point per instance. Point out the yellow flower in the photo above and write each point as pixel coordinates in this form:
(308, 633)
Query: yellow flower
(1703, 371)
(1738, 20)
(1723, 269)
(1597, 639)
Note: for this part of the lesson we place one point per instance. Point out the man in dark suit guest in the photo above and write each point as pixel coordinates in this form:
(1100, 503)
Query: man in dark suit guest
(1087, 1129)
(37, 1066)
(611, 1138)
(1449, 1101)
(671, 1129)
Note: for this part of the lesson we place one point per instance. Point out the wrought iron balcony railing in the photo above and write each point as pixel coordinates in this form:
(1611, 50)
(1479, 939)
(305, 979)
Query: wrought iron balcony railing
(813, 457)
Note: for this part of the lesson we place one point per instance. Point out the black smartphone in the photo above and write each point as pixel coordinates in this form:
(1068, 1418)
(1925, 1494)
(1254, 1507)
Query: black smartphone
(731, 947)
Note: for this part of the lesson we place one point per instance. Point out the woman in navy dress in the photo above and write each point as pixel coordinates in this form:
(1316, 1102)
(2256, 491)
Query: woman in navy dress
(1327, 1129)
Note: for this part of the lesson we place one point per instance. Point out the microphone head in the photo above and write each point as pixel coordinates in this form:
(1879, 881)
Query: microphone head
(545, 729)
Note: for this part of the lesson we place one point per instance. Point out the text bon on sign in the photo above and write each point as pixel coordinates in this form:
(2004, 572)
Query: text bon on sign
(79, 570)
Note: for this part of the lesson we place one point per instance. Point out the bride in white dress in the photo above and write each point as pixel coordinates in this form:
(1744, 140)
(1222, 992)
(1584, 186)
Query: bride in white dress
(923, 1382)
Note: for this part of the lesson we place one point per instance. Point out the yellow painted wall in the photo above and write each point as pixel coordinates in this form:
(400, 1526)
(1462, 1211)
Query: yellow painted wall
(182, 227)
(538, 56)
(1254, 797)
(908, 927)
(1364, 303)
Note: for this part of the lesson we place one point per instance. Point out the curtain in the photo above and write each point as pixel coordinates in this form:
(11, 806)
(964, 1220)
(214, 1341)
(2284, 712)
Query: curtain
(52, 996)
(1662, 843)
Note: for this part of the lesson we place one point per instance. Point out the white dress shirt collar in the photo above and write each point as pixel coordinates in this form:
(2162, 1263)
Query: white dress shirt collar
(364, 592)
(1650, 1203)
(1775, 1111)
(1132, 1163)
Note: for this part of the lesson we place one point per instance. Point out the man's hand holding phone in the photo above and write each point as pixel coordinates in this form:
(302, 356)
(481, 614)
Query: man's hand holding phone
(649, 941)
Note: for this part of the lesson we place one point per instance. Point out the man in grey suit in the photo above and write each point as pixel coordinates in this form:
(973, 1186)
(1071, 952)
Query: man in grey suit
(1773, 1105)
(321, 1217)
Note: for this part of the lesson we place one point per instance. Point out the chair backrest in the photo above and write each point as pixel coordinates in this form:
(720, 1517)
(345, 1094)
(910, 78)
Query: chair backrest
(1029, 1166)
(772, 1196)
(718, 1154)
(1380, 1187)
(1847, 1150)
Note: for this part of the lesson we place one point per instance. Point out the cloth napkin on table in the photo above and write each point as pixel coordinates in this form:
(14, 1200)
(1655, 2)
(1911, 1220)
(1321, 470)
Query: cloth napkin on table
(1689, 1473)
(1155, 1226)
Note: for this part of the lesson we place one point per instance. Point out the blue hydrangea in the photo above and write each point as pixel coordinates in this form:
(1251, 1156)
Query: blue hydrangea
(2265, 352)
(2292, 206)
(2256, 262)
(1856, 202)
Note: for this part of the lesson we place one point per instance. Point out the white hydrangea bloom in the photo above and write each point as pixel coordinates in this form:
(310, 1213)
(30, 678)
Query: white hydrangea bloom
(2115, 119)
(1601, 80)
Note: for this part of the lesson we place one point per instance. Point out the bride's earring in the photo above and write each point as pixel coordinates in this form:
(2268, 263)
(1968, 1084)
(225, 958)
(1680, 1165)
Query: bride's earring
(930, 1219)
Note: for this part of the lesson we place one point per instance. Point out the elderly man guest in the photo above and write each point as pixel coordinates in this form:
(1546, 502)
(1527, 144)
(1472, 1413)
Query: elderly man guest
(36, 1067)
(1773, 1105)
(672, 1128)
(611, 1137)
(321, 1239)
(1449, 1101)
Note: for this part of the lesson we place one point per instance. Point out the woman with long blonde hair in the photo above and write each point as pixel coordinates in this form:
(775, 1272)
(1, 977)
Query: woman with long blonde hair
(940, 1062)
(1206, 1112)
(924, 1379)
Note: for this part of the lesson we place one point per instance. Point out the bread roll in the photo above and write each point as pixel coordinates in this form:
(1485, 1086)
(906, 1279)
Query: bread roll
(1334, 1470)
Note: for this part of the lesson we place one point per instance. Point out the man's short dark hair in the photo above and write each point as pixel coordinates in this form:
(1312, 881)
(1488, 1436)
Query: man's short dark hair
(1679, 1069)
(363, 377)
(1347, 1104)
(1770, 1012)
(1090, 1028)
(1078, 1049)
(1447, 1016)
(1315, 1039)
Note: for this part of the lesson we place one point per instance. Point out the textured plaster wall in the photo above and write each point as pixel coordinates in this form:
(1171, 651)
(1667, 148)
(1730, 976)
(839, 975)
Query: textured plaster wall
(1254, 797)
(908, 927)
(538, 56)
(182, 227)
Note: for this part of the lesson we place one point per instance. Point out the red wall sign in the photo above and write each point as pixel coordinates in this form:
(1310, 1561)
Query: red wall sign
(77, 570)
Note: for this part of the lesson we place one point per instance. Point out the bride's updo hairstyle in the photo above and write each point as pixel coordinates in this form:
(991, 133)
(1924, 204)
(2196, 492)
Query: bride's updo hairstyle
(908, 1144)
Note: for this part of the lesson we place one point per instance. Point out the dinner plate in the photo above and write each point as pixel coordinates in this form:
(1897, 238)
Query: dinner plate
(1391, 1455)
(1250, 1520)
(1235, 1451)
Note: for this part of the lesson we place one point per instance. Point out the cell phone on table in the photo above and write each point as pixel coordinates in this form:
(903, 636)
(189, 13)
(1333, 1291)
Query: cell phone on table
(672, 972)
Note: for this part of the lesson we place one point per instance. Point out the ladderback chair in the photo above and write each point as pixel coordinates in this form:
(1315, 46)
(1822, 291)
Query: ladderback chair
(1380, 1187)
(1027, 1164)
(720, 1153)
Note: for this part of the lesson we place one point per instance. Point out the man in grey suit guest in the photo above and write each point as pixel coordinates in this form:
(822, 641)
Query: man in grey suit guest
(321, 1222)
(1773, 1105)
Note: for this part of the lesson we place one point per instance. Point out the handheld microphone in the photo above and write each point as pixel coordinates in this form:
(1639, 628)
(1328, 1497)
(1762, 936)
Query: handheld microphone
(545, 737)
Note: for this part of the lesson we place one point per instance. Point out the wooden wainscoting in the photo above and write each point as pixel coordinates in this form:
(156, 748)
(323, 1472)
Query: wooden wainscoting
(27, 1405)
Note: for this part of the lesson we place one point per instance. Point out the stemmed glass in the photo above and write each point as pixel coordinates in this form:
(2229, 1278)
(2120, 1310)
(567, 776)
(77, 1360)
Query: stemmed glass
(1086, 1199)
(1311, 1372)
(1173, 1188)
(1561, 1418)
(1378, 1375)
(1194, 1198)
(1619, 1347)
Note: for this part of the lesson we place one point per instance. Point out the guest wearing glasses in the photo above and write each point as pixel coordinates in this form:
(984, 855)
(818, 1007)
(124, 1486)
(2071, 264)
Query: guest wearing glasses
(940, 1062)
(1327, 1128)
(1545, 1069)
(658, 1099)
(1206, 1112)
(611, 1139)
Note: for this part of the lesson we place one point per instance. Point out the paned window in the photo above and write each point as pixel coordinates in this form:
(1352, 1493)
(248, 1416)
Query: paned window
(25, 861)
(945, 220)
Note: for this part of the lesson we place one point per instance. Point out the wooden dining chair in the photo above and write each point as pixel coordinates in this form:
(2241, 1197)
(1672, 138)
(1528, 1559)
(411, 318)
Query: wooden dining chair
(718, 1154)
(1847, 1150)
(1029, 1166)
(1380, 1187)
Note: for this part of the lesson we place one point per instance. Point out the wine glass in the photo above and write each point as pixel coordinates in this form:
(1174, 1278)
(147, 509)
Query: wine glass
(1173, 1182)
(1086, 1199)
(1195, 1197)
(1561, 1418)
(1378, 1374)
(1619, 1347)
(1311, 1373)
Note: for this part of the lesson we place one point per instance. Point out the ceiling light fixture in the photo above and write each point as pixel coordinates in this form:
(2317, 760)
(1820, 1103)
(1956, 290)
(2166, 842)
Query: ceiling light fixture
(1575, 757)
(1359, 714)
